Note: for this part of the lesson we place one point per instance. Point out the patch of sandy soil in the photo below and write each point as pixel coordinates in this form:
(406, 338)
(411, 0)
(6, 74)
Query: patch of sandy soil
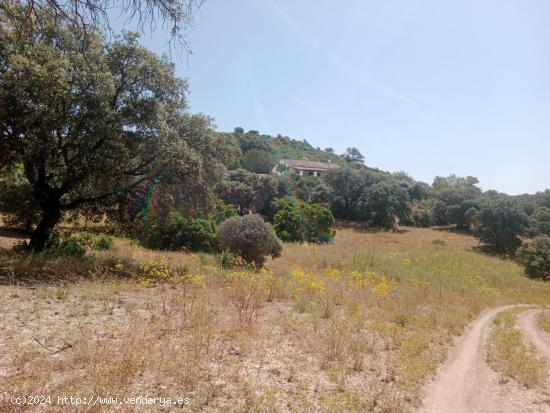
(466, 384)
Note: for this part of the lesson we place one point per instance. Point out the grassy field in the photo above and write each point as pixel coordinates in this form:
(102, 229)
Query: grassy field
(509, 355)
(357, 325)
(544, 321)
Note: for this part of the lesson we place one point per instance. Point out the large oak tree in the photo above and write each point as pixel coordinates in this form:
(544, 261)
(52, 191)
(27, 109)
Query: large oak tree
(88, 122)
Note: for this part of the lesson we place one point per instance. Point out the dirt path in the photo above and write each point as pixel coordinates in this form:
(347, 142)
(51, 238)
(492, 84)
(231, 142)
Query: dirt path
(527, 323)
(465, 384)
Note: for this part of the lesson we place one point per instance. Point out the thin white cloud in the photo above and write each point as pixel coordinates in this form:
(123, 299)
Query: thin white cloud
(257, 102)
(348, 70)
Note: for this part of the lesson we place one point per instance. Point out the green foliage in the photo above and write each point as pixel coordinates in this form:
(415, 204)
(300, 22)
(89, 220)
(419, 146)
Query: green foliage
(223, 211)
(88, 121)
(62, 294)
(499, 223)
(289, 223)
(305, 187)
(297, 221)
(347, 185)
(248, 191)
(17, 204)
(281, 147)
(258, 161)
(179, 232)
(367, 195)
(248, 142)
(225, 259)
(539, 221)
(353, 155)
(535, 257)
(456, 200)
(385, 202)
(104, 243)
(63, 245)
(422, 217)
(249, 237)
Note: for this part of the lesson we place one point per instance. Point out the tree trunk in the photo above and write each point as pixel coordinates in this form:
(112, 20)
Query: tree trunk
(39, 237)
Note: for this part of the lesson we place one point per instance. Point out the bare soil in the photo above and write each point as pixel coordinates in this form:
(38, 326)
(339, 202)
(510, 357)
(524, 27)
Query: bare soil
(466, 384)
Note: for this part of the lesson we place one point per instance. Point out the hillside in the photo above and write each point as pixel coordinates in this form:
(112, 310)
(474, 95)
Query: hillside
(282, 147)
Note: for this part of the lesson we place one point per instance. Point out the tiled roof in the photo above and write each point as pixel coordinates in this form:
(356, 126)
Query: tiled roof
(309, 165)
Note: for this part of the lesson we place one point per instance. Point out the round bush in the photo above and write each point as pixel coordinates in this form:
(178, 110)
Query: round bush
(535, 257)
(250, 237)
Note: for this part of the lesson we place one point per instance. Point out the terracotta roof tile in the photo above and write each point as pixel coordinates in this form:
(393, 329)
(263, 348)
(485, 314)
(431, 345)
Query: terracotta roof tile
(309, 165)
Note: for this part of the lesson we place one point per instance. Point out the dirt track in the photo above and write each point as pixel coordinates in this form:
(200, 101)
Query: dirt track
(465, 384)
(528, 326)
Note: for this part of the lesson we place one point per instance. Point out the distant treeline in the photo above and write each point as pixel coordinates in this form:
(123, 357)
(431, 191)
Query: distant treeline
(101, 130)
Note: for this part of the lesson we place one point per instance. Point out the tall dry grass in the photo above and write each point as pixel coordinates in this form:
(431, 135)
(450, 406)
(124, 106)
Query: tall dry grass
(356, 325)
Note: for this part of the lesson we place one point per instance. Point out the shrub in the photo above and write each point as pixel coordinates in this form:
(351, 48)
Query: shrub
(59, 245)
(223, 211)
(249, 237)
(289, 223)
(225, 259)
(85, 239)
(535, 257)
(539, 222)
(104, 243)
(179, 232)
(423, 218)
(300, 222)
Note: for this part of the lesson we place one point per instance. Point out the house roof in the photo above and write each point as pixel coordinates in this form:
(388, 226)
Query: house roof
(306, 165)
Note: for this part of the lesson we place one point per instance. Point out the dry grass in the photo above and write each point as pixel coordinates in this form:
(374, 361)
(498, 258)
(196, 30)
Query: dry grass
(509, 355)
(543, 320)
(356, 325)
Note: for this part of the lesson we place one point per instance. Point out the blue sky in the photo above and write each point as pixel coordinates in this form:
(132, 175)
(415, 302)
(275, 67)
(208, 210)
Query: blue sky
(427, 87)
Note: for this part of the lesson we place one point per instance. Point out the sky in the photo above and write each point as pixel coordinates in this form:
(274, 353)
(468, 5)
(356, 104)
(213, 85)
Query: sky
(426, 87)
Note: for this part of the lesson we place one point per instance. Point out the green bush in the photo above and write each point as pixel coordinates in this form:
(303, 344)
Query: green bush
(59, 245)
(223, 211)
(423, 218)
(225, 259)
(539, 221)
(85, 239)
(179, 232)
(249, 237)
(302, 222)
(535, 257)
(104, 243)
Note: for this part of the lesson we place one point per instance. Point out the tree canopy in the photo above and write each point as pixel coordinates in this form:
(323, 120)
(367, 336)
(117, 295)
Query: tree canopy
(90, 122)
(500, 223)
